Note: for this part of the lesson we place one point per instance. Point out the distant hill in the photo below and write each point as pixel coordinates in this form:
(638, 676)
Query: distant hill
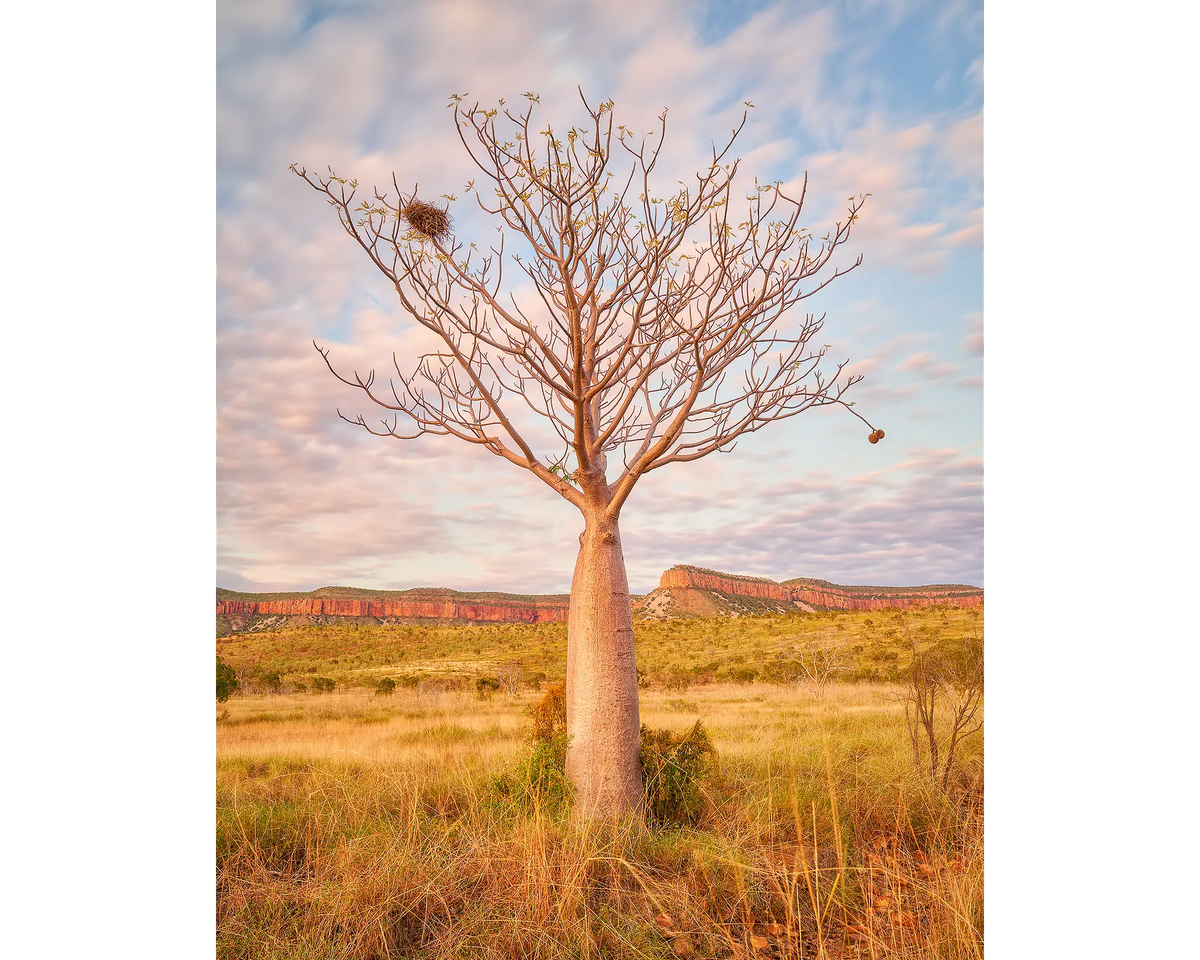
(237, 611)
(683, 591)
(694, 591)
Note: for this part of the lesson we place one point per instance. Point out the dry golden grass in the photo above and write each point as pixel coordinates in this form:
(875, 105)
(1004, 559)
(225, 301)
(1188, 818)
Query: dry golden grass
(366, 827)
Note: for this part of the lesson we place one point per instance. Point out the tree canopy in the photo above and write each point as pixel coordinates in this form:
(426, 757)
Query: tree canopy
(656, 337)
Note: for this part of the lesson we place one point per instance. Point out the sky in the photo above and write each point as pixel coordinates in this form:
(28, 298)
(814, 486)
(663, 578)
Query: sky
(884, 98)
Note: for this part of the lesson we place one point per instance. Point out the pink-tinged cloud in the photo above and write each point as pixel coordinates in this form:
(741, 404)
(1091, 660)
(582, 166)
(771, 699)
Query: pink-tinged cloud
(972, 342)
(305, 498)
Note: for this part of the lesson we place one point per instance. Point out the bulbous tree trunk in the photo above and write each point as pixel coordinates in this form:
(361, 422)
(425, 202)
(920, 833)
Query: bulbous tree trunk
(602, 694)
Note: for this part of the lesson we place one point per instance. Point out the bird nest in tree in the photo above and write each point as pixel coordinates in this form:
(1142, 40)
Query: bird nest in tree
(429, 221)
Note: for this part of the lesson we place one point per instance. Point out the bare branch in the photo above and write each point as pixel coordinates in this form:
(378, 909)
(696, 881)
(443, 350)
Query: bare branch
(660, 326)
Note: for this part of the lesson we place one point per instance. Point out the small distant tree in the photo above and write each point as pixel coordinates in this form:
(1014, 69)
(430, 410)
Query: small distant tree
(432, 685)
(323, 685)
(509, 675)
(485, 687)
(818, 661)
(227, 681)
(944, 682)
(663, 328)
(385, 687)
(271, 682)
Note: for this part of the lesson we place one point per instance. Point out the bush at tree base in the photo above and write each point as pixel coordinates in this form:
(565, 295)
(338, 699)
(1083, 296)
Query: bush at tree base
(549, 714)
(540, 778)
(674, 766)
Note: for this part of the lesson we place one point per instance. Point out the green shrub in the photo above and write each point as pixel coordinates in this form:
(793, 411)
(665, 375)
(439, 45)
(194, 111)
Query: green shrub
(678, 680)
(737, 675)
(323, 685)
(410, 682)
(541, 776)
(777, 671)
(486, 686)
(271, 682)
(385, 687)
(227, 681)
(675, 768)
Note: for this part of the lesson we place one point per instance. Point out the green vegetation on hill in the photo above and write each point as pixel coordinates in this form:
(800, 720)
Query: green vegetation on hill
(862, 588)
(358, 653)
(718, 573)
(814, 582)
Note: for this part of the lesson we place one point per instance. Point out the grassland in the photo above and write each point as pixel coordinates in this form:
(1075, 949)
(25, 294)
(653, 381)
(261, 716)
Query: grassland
(360, 826)
(359, 653)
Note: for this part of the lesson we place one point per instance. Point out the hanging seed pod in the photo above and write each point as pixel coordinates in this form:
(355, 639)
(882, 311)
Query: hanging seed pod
(429, 221)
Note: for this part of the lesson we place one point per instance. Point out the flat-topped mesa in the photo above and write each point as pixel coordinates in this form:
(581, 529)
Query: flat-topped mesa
(804, 591)
(683, 591)
(697, 578)
(426, 605)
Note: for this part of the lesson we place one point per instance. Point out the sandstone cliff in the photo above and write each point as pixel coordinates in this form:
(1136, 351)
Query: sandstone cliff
(242, 610)
(682, 591)
(686, 590)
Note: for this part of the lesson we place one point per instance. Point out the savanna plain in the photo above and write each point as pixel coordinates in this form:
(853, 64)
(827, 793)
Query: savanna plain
(395, 790)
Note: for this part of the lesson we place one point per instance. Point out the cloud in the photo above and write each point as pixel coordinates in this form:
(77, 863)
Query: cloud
(306, 499)
(972, 342)
(927, 366)
(961, 146)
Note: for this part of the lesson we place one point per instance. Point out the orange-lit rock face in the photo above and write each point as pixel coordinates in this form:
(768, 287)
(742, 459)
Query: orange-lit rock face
(702, 580)
(820, 594)
(443, 605)
(449, 609)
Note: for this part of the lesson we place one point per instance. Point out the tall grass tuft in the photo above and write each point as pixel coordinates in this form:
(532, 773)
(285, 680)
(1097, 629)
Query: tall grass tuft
(821, 838)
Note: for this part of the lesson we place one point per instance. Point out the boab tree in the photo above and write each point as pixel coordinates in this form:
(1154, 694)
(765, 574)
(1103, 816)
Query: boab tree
(661, 333)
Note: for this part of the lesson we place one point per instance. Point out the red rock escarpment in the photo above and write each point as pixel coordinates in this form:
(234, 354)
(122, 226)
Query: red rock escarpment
(820, 593)
(450, 608)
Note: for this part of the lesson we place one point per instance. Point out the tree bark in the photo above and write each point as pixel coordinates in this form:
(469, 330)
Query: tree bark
(602, 695)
